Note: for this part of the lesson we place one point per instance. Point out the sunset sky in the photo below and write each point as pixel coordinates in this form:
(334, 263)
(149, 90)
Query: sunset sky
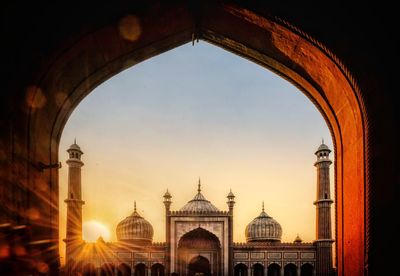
(196, 111)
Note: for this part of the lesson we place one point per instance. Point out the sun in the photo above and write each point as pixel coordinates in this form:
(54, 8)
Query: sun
(93, 229)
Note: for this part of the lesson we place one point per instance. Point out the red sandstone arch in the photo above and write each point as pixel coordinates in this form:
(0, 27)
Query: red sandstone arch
(196, 242)
(85, 63)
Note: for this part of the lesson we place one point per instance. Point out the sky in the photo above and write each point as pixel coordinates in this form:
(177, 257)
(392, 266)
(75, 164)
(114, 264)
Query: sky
(196, 112)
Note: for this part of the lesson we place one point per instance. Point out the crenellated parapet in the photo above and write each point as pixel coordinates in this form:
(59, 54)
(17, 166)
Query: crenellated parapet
(269, 245)
(199, 213)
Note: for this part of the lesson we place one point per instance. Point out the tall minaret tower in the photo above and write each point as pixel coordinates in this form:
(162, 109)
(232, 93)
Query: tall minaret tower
(231, 204)
(167, 202)
(74, 202)
(323, 205)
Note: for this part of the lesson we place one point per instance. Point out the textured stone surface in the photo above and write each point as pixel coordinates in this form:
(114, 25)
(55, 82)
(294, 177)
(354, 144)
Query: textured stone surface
(50, 63)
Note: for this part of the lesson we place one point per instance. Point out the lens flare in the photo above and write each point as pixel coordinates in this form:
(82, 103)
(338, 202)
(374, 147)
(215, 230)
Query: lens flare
(129, 28)
(93, 229)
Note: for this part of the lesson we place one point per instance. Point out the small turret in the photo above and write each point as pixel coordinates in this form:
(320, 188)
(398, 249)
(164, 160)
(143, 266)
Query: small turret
(231, 200)
(167, 200)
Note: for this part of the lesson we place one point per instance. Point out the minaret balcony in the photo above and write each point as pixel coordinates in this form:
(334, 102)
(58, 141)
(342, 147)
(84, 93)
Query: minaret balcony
(319, 201)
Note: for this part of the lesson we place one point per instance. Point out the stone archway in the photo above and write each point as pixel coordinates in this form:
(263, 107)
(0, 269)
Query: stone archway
(240, 270)
(199, 251)
(274, 270)
(258, 270)
(290, 270)
(66, 78)
(157, 270)
(199, 266)
(140, 270)
(124, 270)
(306, 270)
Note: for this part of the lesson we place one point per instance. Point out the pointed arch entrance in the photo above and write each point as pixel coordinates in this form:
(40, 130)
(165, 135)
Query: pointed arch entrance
(199, 253)
(199, 266)
(80, 65)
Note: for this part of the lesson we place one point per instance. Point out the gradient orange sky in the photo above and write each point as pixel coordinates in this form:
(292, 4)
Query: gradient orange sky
(197, 111)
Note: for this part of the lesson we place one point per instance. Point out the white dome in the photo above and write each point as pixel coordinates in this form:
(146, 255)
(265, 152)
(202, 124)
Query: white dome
(199, 204)
(263, 228)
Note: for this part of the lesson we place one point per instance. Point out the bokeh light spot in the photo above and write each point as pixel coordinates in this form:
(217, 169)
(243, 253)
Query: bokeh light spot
(42, 267)
(4, 251)
(19, 251)
(129, 28)
(33, 214)
(34, 97)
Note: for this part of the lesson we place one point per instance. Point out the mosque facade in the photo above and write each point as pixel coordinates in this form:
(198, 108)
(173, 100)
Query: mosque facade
(199, 238)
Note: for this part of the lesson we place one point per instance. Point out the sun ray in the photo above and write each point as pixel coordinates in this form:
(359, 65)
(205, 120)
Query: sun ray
(94, 229)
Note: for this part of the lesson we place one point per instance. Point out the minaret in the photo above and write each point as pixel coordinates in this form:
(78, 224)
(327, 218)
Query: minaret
(167, 203)
(323, 206)
(74, 202)
(231, 203)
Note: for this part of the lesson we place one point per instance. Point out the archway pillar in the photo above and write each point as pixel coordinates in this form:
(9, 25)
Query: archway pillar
(66, 78)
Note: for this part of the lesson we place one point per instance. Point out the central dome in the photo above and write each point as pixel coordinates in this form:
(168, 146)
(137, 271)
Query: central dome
(199, 204)
(263, 228)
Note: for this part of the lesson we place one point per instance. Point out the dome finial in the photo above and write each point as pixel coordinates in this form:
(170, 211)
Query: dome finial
(75, 140)
(199, 186)
(322, 140)
(263, 206)
(134, 206)
(298, 239)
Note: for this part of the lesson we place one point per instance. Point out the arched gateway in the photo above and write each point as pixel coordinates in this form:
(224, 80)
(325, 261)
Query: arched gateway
(199, 266)
(199, 253)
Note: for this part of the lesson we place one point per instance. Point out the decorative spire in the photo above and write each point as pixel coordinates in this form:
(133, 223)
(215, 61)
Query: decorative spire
(298, 239)
(75, 140)
(167, 195)
(134, 206)
(199, 186)
(263, 206)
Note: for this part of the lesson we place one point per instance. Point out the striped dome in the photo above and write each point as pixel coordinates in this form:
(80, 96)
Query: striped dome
(135, 229)
(199, 204)
(263, 228)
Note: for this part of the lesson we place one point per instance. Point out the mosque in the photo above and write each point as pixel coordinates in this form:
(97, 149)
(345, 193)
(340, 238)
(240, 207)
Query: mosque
(199, 238)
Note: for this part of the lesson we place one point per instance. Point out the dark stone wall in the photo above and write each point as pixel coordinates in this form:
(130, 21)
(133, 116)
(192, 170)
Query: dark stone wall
(34, 34)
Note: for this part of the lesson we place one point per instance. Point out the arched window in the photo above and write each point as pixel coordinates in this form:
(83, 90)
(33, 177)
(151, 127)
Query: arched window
(140, 269)
(124, 270)
(240, 270)
(157, 270)
(274, 270)
(290, 270)
(258, 270)
(306, 270)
